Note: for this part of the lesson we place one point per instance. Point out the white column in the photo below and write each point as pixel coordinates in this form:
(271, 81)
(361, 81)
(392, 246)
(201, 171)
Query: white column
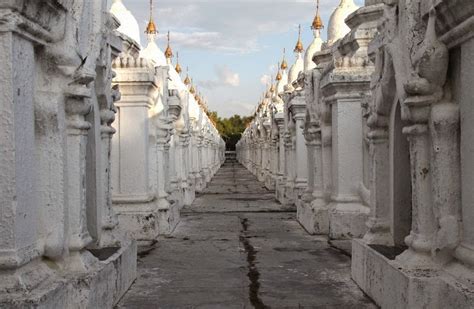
(301, 155)
(77, 106)
(465, 251)
(19, 211)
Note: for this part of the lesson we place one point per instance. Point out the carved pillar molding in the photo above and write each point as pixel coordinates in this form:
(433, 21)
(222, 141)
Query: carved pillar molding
(326, 153)
(163, 128)
(318, 166)
(377, 108)
(281, 146)
(192, 153)
(444, 127)
(378, 222)
(288, 158)
(434, 152)
(107, 95)
(78, 105)
(109, 219)
(174, 114)
(298, 109)
(312, 135)
(167, 168)
(423, 227)
(310, 146)
(200, 175)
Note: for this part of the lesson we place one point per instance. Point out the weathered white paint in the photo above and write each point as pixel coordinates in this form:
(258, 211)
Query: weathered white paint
(388, 132)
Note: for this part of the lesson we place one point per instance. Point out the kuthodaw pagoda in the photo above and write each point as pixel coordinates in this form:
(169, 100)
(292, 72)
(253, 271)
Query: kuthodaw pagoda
(370, 136)
(102, 144)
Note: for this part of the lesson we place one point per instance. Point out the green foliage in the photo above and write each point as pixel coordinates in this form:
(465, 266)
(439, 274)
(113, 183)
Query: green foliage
(231, 128)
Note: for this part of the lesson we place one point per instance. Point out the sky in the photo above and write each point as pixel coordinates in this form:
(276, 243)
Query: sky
(232, 46)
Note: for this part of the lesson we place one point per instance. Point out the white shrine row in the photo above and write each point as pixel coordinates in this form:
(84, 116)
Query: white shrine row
(91, 159)
(374, 142)
(165, 149)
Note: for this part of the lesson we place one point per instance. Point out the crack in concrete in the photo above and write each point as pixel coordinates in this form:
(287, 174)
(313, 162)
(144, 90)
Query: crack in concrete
(253, 273)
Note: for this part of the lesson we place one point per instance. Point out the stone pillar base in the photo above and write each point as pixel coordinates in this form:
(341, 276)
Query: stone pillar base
(390, 285)
(347, 220)
(280, 191)
(300, 189)
(314, 216)
(270, 183)
(199, 186)
(177, 196)
(100, 287)
(290, 194)
(281, 194)
(207, 175)
(189, 196)
(146, 221)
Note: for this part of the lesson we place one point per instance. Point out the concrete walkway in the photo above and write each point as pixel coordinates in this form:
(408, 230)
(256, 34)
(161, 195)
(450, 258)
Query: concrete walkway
(238, 248)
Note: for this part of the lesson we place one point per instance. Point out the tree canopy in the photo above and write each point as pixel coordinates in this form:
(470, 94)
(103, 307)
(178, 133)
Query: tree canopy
(231, 129)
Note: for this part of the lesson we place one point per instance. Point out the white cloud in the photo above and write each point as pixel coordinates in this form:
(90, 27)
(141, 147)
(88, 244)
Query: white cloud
(225, 77)
(228, 77)
(236, 26)
(210, 41)
(265, 79)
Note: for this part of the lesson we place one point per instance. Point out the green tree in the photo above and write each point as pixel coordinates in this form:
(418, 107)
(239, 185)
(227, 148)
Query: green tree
(231, 129)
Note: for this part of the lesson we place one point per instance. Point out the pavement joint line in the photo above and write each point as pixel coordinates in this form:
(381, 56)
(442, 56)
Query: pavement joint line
(244, 241)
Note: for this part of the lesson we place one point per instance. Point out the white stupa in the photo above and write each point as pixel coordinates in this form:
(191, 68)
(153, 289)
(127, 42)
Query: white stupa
(282, 76)
(337, 28)
(298, 66)
(128, 23)
(152, 51)
(317, 43)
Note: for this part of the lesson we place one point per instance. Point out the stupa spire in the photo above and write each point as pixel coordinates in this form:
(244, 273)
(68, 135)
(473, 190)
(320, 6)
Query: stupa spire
(151, 29)
(178, 66)
(284, 64)
(317, 22)
(278, 76)
(192, 90)
(187, 80)
(168, 51)
(299, 45)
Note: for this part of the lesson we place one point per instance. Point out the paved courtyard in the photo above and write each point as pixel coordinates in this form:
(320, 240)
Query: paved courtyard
(237, 248)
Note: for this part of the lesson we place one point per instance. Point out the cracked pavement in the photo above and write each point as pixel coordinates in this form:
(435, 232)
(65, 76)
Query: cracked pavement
(236, 247)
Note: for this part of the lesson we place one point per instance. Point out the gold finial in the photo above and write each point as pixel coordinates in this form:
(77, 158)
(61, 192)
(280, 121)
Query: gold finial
(317, 22)
(299, 45)
(284, 65)
(192, 90)
(151, 28)
(278, 76)
(168, 51)
(187, 80)
(178, 66)
(272, 88)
